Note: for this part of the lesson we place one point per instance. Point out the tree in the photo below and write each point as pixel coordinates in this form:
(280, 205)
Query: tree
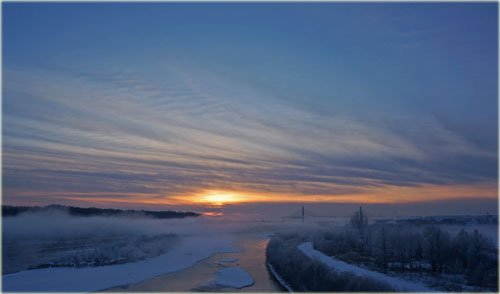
(383, 247)
(358, 220)
(476, 247)
(437, 242)
(418, 250)
(462, 248)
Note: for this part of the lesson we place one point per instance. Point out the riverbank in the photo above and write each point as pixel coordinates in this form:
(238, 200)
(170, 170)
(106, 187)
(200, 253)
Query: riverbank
(65, 279)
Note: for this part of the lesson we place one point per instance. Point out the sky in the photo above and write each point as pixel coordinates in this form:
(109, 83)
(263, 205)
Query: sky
(163, 104)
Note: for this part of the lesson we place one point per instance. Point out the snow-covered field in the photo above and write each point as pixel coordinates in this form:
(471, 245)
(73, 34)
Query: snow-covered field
(340, 266)
(86, 279)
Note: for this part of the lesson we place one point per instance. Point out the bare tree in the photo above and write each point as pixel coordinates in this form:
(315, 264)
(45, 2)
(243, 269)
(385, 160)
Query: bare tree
(384, 248)
(437, 246)
(359, 221)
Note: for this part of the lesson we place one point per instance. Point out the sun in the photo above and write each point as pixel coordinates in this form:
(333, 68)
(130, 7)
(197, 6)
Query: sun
(220, 198)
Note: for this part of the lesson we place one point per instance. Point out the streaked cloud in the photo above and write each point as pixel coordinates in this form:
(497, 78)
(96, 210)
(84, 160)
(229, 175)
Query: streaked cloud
(72, 134)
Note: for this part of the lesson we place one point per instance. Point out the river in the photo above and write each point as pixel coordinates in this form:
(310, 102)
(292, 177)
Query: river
(251, 257)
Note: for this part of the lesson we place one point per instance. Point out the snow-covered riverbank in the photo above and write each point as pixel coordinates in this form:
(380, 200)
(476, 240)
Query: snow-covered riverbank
(340, 266)
(85, 279)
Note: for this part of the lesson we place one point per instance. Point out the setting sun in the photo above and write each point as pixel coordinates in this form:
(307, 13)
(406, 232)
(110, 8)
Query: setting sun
(220, 198)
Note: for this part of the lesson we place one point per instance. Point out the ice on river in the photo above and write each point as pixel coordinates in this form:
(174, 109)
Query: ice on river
(234, 277)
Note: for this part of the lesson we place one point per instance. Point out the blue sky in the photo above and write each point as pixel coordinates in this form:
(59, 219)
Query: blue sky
(163, 103)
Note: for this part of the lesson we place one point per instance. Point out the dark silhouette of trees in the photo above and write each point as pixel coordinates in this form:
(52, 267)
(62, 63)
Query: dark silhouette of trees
(383, 247)
(437, 243)
(93, 211)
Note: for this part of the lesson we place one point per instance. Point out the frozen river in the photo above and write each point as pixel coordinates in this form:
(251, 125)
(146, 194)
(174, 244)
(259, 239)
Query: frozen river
(251, 258)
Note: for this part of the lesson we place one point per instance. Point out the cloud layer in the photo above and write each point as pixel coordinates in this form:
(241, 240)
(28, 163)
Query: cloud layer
(72, 136)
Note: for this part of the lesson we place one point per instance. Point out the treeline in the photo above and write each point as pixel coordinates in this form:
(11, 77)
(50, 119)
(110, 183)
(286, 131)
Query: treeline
(451, 220)
(8, 211)
(304, 274)
(418, 249)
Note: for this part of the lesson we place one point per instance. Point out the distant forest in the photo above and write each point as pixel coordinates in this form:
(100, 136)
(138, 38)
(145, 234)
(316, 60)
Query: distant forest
(8, 211)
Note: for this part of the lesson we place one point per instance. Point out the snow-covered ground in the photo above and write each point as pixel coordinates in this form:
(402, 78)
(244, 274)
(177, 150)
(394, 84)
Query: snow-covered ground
(186, 254)
(340, 266)
(234, 277)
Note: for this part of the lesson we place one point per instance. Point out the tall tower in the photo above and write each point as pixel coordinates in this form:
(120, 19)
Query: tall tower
(302, 212)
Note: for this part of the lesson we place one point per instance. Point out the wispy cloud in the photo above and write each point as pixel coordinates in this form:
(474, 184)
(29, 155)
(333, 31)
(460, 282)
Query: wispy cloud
(117, 135)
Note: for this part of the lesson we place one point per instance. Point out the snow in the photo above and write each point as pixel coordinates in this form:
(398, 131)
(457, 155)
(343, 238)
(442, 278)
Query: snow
(228, 260)
(63, 279)
(398, 283)
(234, 277)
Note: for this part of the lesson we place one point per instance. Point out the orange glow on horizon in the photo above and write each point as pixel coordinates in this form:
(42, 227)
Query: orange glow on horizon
(378, 195)
(370, 195)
